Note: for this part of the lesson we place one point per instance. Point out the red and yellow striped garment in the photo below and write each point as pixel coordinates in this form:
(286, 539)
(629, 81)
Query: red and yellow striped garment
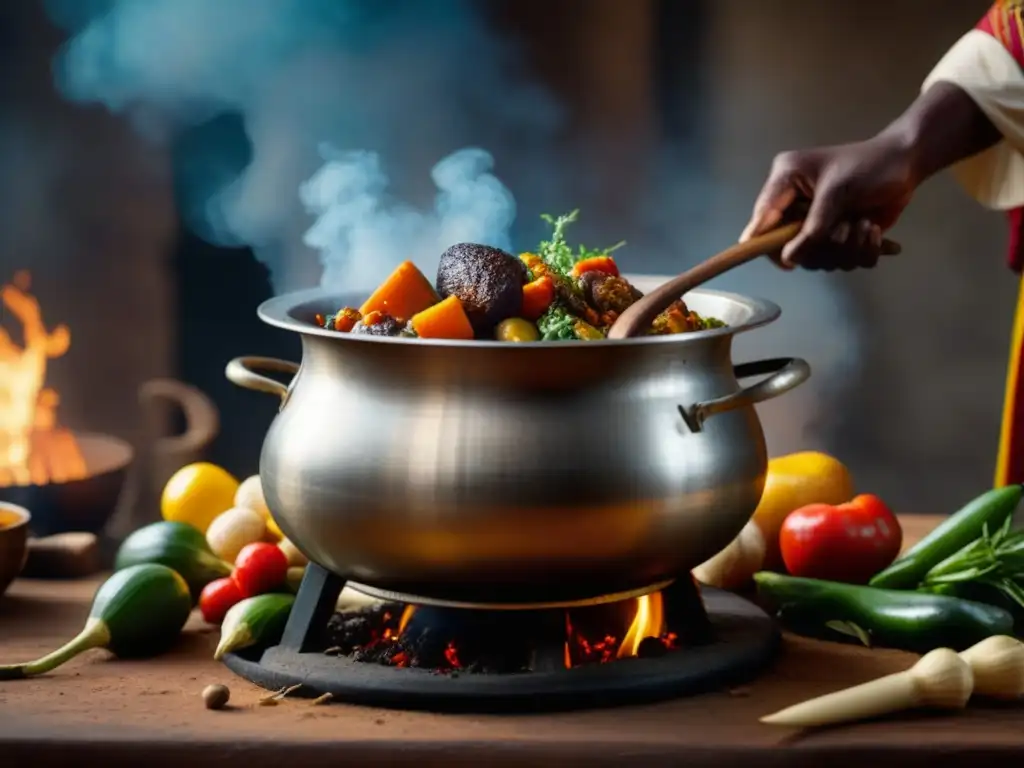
(1005, 22)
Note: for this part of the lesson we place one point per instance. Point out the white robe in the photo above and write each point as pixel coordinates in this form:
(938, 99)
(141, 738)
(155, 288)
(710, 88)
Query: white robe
(981, 66)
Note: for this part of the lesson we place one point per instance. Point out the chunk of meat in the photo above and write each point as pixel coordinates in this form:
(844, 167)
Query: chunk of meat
(379, 324)
(608, 293)
(487, 281)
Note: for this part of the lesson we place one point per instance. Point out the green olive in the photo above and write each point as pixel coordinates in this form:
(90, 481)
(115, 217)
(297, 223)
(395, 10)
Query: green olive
(516, 329)
(586, 332)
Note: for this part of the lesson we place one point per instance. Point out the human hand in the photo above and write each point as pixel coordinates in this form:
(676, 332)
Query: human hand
(848, 195)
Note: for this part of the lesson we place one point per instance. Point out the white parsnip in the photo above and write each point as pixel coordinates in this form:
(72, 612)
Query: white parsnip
(998, 666)
(735, 566)
(941, 679)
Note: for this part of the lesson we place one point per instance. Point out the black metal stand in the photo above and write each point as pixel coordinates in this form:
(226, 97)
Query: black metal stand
(686, 612)
(725, 640)
(313, 607)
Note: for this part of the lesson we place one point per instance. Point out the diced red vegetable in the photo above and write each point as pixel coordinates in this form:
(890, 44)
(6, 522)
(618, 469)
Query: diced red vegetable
(346, 319)
(605, 264)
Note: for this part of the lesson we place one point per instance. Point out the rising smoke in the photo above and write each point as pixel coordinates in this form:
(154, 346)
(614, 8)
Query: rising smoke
(389, 85)
(347, 106)
(360, 231)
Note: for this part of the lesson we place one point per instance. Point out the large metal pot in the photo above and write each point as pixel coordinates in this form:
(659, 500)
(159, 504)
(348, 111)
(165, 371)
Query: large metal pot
(514, 473)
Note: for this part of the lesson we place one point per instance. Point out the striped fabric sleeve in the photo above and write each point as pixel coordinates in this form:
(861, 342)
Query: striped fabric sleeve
(988, 64)
(1003, 169)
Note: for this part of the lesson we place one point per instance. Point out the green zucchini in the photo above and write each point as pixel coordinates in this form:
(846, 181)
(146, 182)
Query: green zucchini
(256, 620)
(910, 621)
(989, 510)
(137, 612)
(179, 546)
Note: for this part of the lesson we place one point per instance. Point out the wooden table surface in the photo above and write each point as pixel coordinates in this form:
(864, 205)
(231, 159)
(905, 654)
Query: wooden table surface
(150, 713)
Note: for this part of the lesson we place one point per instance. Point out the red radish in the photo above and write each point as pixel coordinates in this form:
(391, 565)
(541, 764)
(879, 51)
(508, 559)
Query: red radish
(848, 542)
(260, 567)
(217, 598)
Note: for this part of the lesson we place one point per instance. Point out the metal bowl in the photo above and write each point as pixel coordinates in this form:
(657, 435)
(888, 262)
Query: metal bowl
(489, 472)
(78, 505)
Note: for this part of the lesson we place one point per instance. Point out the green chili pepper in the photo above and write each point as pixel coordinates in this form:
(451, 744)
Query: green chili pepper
(910, 621)
(990, 510)
(982, 593)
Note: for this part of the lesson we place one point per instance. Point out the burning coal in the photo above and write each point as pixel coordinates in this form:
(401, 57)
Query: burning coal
(501, 642)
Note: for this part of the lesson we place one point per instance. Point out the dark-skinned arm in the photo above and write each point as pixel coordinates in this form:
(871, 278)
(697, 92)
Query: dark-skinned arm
(941, 128)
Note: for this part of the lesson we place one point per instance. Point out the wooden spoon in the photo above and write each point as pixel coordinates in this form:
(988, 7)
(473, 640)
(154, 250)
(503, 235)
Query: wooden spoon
(638, 318)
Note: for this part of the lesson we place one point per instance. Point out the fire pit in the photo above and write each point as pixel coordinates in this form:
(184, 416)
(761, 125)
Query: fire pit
(402, 652)
(70, 482)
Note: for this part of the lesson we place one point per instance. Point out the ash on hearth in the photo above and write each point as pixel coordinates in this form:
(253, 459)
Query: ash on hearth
(453, 641)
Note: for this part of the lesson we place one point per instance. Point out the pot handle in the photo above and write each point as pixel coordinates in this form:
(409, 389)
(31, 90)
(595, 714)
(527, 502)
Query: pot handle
(242, 371)
(784, 373)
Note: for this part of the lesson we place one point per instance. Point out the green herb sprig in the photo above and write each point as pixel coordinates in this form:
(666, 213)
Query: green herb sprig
(992, 560)
(558, 254)
(557, 324)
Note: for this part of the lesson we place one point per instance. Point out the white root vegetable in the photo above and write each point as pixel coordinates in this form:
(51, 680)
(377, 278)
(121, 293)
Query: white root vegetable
(295, 558)
(998, 666)
(735, 566)
(941, 679)
(250, 496)
(234, 529)
(351, 600)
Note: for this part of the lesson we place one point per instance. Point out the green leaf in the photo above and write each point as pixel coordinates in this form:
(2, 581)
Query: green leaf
(556, 252)
(958, 577)
(1011, 589)
(850, 629)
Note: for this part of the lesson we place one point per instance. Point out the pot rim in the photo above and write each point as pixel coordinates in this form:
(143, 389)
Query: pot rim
(278, 312)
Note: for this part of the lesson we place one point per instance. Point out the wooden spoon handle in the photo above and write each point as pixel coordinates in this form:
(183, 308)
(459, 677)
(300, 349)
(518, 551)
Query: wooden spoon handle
(638, 317)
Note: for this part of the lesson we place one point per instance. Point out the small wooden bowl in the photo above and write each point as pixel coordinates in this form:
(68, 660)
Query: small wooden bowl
(14, 522)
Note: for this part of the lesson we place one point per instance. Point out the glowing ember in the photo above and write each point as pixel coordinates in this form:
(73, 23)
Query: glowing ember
(481, 641)
(33, 449)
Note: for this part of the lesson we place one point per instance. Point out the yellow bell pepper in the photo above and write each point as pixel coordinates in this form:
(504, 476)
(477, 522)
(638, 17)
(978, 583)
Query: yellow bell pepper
(794, 481)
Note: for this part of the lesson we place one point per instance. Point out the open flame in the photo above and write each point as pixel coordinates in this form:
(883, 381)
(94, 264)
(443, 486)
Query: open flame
(34, 450)
(648, 622)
